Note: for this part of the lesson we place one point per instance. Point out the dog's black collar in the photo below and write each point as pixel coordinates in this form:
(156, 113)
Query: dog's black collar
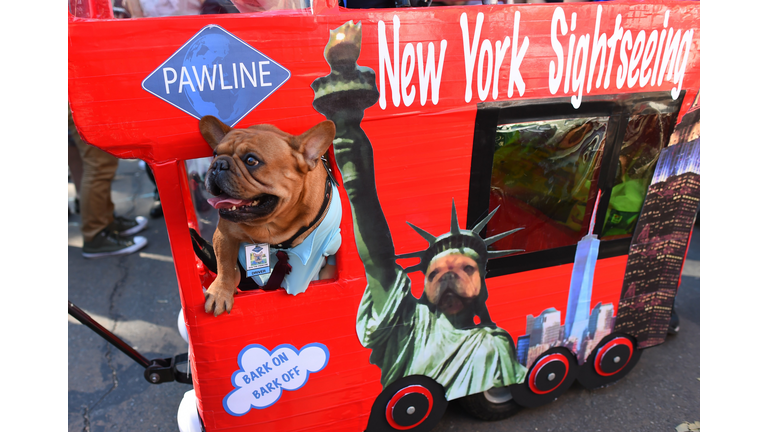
(326, 201)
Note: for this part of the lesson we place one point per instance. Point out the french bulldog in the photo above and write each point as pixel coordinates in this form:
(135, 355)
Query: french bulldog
(452, 282)
(267, 185)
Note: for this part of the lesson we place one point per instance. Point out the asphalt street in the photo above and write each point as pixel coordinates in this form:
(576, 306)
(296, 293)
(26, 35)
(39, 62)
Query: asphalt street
(137, 297)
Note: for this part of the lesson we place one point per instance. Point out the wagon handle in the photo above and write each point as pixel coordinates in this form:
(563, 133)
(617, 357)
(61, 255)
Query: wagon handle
(110, 337)
(155, 371)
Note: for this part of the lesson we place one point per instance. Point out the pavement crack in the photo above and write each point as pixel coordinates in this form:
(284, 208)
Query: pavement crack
(86, 419)
(113, 317)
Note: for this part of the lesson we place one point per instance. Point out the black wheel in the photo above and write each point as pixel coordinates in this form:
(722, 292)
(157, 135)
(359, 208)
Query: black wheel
(493, 404)
(415, 403)
(549, 377)
(610, 361)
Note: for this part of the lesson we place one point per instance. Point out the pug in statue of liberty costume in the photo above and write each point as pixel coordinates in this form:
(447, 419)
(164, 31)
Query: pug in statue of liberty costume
(434, 335)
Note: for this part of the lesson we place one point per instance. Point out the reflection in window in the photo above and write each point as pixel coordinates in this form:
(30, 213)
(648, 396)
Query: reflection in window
(545, 179)
(643, 140)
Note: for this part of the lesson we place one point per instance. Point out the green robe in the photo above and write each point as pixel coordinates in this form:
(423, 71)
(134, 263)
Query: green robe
(408, 339)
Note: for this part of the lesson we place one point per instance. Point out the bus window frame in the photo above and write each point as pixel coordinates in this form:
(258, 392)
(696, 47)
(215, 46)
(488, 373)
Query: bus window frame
(618, 108)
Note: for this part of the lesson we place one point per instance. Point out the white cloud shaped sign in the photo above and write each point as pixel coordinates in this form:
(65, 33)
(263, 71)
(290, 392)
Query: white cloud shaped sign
(264, 374)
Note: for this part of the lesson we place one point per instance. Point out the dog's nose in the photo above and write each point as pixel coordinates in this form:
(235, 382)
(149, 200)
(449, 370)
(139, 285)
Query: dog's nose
(220, 164)
(448, 277)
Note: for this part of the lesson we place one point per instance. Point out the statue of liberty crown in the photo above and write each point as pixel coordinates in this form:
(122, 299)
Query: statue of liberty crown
(458, 238)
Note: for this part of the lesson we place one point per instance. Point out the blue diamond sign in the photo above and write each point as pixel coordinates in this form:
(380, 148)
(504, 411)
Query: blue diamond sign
(215, 73)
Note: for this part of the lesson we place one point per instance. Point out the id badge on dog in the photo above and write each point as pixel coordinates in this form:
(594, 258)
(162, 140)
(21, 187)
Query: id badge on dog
(257, 259)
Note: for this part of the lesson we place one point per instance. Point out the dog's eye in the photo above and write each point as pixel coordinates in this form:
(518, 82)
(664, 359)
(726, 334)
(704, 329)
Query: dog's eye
(432, 275)
(251, 161)
(468, 269)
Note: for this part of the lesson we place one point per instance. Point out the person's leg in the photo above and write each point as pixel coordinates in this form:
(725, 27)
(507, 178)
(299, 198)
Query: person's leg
(101, 230)
(96, 206)
(75, 165)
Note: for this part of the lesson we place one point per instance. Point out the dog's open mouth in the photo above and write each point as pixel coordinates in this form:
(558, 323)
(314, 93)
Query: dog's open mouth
(237, 210)
(451, 303)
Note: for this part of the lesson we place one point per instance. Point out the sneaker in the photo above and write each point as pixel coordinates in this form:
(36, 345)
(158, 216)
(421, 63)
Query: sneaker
(126, 227)
(108, 243)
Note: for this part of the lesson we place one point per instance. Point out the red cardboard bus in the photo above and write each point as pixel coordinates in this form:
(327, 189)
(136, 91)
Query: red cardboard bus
(456, 126)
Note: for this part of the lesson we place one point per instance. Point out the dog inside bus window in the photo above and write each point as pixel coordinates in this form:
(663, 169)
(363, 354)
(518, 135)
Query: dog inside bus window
(447, 333)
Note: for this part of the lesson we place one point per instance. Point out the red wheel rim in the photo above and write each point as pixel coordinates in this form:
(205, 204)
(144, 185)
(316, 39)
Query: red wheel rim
(607, 347)
(399, 395)
(540, 364)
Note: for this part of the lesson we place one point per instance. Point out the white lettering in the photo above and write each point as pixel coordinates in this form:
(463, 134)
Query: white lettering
(651, 56)
(670, 53)
(515, 79)
(486, 49)
(637, 50)
(165, 77)
(221, 79)
(406, 73)
(427, 72)
(571, 41)
(262, 73)
(392, 70)
(680, 65)
(470, 54)
(206, 76)
(251, 78)
(621, 71)
(658, 56)
(400, 73)
(599, 47)
(650, 48)
(554, 80)
(501, 51)
(582, 49)
(618, 30)
(187, 80)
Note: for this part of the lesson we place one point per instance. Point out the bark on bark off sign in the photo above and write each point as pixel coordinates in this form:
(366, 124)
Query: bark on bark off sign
(264, 374)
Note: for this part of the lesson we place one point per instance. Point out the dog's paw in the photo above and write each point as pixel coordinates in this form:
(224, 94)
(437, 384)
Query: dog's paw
(218, 301)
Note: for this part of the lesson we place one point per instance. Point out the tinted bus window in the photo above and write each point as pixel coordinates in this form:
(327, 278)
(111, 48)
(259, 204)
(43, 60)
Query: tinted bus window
(544, 178)
(645, 136)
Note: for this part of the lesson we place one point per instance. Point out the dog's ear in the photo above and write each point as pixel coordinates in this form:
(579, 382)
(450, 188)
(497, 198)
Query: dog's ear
(315, 142)
(213, 130)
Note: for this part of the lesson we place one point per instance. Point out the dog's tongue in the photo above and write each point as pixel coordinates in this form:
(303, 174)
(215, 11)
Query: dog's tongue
(225, 201)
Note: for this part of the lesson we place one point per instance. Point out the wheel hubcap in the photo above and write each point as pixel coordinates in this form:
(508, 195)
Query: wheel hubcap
(613, 356)
(550, 371)
(409, 407)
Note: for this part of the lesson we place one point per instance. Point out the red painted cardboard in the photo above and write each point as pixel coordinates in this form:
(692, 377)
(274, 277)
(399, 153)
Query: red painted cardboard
(422, 162)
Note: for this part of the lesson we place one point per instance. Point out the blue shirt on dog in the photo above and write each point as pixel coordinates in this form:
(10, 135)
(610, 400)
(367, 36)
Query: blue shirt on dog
(307, 258)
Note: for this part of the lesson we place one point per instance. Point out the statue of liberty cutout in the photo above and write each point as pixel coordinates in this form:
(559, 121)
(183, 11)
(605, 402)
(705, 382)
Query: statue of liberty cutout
(434, 335)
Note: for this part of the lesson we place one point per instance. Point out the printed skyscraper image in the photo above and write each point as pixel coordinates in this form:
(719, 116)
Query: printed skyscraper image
(659, 244)
(580, 295)
(577, 316)
(582, 329)
(545, 332)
